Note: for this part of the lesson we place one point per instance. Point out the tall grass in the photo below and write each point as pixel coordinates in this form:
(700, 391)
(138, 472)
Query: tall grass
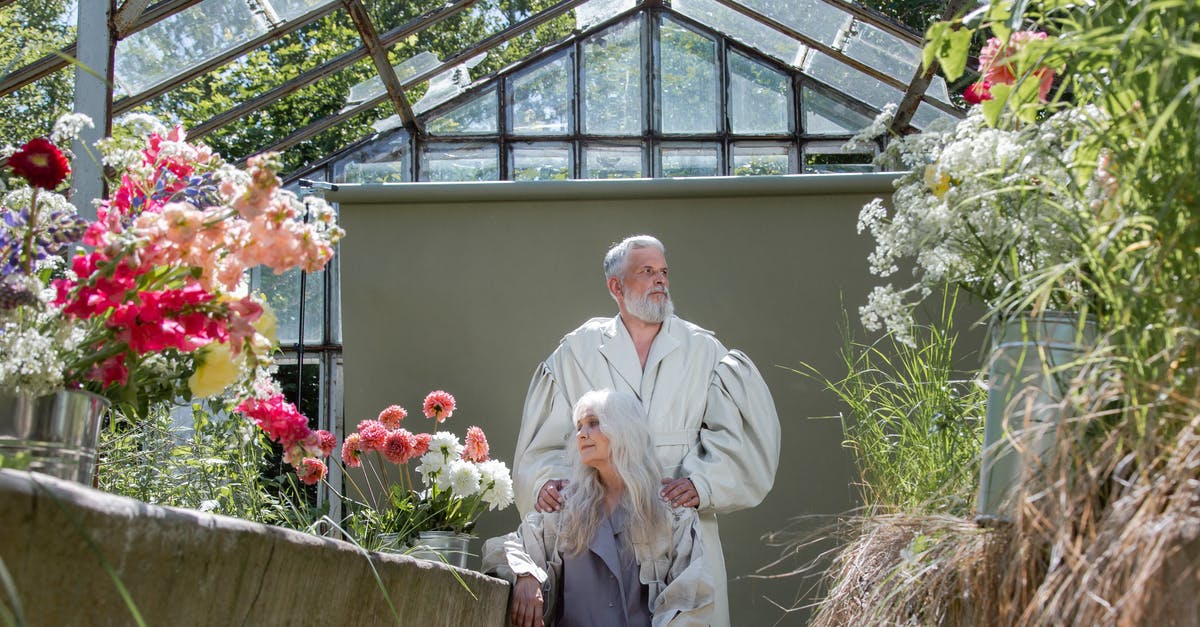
(912, 418)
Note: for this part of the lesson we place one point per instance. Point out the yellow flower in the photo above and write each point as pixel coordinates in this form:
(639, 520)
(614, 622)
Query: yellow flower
(216, 370)
(267, 324)
(937, 183)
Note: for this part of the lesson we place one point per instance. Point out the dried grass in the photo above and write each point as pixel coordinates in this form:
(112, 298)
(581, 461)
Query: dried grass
(1107, 533)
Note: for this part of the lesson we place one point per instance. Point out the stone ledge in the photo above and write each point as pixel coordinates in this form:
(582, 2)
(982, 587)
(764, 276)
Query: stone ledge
(184, 567)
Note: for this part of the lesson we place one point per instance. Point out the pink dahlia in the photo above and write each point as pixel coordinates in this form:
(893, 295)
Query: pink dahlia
(392, 415)
(997, 66)
(311, 470)
(421, 443)
(41, 163)
(326, 442)
(374, 434)
(439, 405)
(476, 447)
(399, 446)
(352, 450)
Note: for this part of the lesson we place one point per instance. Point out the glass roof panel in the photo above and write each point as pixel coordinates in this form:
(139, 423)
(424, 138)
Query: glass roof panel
(593, 12)
(445, 86)
(813, 18)
(850, 81)
(291, 9)
(477, 116)
(186, 39)
(927, 115)
(406, 69)
(759, 36)
(825, 116)
(688, 80)
(882, 51)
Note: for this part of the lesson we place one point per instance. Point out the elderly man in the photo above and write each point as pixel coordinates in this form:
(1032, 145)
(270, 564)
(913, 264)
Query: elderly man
(714, 423)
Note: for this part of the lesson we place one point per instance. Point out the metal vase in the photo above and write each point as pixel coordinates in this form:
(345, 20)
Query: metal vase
(53, 434)
(442, 546)
(1031, 361)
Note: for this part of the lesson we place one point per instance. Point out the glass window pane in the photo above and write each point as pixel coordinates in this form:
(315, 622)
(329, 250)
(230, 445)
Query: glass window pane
(282, 293)
(690, 160)
(828, 157)
(688, 86)
(612, 88)
(761, 159)
(760, 36)
(758, 97)
(541, 99)
(882, 51)
(460, 162)
(406, 69)
(541, 161)
(927, 115)
(186, 39)
(612, 162)
(448, 85)
(475, 117)
(385, 160)
(825, 116)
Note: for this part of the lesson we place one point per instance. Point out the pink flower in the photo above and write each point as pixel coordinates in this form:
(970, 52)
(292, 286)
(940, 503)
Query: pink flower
(392, 415)
(311, 470)
(280, 419)
(399, 446)
(996, 62)
(352, 450)
(421, 443)
(374, 434)
(41, 163)
(476, 447)
(978, 92)
(439, 405)
(326, 442)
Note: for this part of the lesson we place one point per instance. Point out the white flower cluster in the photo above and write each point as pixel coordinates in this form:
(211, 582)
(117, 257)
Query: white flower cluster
(982, 208)
(444, 467)
(35, 345)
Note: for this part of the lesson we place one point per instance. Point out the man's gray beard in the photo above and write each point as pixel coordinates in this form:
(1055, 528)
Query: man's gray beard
(647, 310)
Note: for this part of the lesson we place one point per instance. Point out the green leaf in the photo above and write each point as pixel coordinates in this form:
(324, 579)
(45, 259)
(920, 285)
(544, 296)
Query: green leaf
(933, 40)
(954, 51)
(992, 108)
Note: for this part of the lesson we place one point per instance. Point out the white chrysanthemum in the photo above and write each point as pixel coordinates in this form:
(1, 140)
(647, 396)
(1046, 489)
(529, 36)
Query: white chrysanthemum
(432, 466)
(497, 482)
(446, 444)
(463, 478)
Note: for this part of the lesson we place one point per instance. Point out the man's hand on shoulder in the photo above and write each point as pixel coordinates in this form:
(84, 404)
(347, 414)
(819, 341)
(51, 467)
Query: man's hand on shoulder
(550, 497)
(681, 492)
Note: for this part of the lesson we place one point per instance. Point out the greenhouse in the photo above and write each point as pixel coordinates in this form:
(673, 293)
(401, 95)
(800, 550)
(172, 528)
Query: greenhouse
(934, 360)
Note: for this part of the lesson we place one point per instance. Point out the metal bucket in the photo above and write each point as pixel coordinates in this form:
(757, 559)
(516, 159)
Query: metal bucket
(442, 546)
(1030, 363)
(53, 434)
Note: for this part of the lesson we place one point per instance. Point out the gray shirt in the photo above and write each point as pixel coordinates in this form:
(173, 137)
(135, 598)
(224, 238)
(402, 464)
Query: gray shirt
(601, 587)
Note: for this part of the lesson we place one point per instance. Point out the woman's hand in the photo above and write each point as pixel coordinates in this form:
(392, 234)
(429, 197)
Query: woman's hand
(526, 607)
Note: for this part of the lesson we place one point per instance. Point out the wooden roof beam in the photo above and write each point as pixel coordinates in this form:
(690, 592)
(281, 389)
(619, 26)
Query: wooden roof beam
(921, 79)
(378, 52)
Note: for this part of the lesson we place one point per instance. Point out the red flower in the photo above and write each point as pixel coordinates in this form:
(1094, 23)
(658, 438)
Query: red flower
(41, 163)
(311, 470)
(399, 446)
(422, 443)
(326, 442)
(439, 405)
(373, 433)
(352, 450)
(978, 92)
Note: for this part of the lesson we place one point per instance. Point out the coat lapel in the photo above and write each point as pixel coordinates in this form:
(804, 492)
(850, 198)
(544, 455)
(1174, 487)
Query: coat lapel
(621, 356)
(604, 545)
(665, 373)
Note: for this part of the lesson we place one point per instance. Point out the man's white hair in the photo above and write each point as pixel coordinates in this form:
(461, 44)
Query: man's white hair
(616, 261)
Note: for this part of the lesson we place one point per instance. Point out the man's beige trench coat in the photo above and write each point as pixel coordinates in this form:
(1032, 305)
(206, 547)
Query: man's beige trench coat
(710, 414)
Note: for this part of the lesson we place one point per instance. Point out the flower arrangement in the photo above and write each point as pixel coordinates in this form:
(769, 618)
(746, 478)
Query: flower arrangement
(154, 309)
(457, 478)
(987, 209)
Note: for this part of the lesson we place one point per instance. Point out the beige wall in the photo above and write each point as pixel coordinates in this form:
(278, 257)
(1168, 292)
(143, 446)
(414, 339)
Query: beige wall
(467, 287)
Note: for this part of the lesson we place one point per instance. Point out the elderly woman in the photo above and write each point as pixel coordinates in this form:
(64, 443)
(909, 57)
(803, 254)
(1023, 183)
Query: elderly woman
(615, 554)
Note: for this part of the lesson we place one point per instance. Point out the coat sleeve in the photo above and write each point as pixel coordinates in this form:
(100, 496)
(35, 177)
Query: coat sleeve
(687, 599)
(541, 443)
(530, 550)
(734, 466)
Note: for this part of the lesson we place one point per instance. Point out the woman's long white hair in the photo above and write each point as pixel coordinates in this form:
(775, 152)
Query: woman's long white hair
(633, 458)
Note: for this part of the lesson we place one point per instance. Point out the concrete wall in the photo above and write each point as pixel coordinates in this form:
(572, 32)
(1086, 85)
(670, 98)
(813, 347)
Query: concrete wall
(466, 287)
(183, 567)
